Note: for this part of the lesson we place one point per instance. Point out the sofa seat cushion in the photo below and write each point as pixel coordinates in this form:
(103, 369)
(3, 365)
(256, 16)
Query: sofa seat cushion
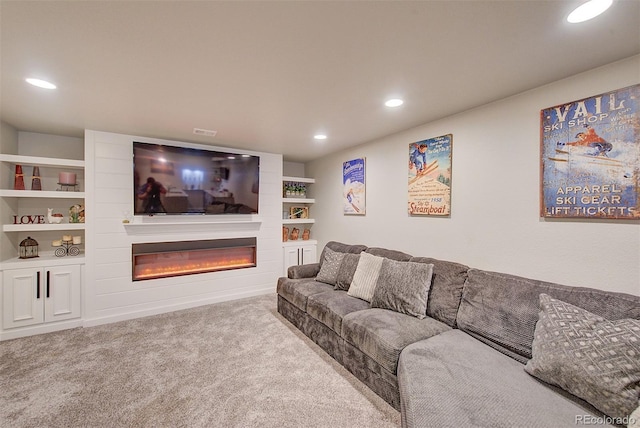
(382, 334)
(453, 380)
(297, 291)
(330, 307)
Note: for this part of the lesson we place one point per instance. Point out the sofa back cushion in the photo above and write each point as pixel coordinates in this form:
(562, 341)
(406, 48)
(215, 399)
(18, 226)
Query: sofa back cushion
(389, 254)
(502, 310)
(341, 248)
(446, 289)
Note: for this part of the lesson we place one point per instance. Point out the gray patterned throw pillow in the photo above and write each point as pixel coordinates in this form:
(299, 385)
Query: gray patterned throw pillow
(593, 358)
(330, 266)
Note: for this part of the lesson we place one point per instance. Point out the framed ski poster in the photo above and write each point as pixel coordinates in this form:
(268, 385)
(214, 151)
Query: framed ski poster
(590, 157)
(430, 176)
(354, 186)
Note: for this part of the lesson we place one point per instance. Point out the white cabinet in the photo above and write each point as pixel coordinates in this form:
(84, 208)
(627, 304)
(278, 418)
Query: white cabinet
(299, 253)
(39, 295)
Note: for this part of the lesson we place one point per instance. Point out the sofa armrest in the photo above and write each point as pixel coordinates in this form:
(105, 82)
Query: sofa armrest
(303, 271)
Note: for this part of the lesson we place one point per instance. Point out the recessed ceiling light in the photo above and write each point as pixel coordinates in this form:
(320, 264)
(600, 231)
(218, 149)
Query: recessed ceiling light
(41, 83)
(394, 102)
(320, 137)
(588, 10)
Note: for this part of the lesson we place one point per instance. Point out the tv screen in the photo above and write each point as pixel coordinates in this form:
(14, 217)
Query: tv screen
(183, 180)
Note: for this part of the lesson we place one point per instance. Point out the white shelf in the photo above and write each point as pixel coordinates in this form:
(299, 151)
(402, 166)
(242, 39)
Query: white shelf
(298, 221)
(299, 179)
(52, 194)
(290, 243)
(41, 227)
(298, 200)
(169, 227)
(40, 161)
(44, 259)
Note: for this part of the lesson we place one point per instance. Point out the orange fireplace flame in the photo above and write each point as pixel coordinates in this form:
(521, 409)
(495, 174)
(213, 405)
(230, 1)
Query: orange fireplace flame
(162, 265)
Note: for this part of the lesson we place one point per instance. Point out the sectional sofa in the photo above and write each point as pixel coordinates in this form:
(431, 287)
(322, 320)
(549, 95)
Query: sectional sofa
(453, 346)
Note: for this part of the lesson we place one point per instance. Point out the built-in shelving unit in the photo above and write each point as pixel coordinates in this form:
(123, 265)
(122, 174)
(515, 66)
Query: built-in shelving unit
(43, 293)
(299, 251)
(24, 203)
(289, 201)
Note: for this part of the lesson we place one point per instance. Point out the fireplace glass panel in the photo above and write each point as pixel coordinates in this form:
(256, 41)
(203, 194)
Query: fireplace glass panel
(167, 259)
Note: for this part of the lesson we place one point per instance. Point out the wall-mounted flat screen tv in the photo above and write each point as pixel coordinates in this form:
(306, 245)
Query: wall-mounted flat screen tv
(184, 180)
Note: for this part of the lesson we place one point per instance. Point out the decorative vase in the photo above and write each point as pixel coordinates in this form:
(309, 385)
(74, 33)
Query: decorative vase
(19, 182)
(36, 184)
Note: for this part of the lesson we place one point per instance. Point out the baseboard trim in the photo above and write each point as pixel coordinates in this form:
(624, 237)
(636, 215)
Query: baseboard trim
(91, 322)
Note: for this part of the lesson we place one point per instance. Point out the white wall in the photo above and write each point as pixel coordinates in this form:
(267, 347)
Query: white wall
(495, 223)
(8, 206)
(110, 294)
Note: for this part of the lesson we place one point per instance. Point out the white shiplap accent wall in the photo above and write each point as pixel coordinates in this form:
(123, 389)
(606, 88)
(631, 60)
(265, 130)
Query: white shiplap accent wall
(110, 294)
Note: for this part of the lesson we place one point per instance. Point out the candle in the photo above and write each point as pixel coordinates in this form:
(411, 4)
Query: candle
(67, 178)
(66, 238)
(77, 240)
(56, 243)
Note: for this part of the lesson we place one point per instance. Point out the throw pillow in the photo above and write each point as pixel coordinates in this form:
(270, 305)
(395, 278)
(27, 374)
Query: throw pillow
(347, 269)
(330, 266)
(593, 358)
(634, 419)
(403, 287)
(365, 277)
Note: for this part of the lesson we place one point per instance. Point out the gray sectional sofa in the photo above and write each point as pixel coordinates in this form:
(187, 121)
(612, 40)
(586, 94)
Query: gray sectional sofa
(453, 346)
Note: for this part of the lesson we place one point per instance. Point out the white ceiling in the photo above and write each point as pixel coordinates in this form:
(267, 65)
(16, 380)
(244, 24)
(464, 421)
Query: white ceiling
(268, 75)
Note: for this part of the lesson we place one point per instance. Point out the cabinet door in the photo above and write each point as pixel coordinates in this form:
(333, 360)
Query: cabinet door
(22, 297)
(62, 293)
(308, 254)
(291, 258)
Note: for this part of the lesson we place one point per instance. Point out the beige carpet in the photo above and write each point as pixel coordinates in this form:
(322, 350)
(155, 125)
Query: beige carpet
(232, 364)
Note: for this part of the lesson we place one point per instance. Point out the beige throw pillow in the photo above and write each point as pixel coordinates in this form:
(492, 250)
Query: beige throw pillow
(365, 277)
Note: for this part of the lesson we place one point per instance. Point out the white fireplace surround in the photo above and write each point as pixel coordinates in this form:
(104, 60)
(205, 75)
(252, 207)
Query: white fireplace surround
(109, 293)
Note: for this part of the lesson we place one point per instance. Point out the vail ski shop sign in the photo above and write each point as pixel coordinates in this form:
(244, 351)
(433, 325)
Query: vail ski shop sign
(590, 157)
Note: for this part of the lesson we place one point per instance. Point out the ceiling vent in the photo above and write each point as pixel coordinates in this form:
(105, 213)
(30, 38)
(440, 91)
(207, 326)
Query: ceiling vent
(204, 132)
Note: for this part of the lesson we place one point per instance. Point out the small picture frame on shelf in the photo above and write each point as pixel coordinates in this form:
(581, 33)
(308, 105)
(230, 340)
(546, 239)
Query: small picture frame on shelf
(298, 212)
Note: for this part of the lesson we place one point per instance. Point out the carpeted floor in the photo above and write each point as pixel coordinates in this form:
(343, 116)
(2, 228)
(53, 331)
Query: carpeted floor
(232, 364)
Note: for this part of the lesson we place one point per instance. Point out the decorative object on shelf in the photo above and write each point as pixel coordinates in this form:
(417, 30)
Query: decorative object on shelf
(36, 183)
(298, 212)
(295, 233)
(67, 181)
(67, 178)
(28, 248)
(19, 180)
(54, 218)
(28, 219)
(353, 186)
(66, 246)
(306, 234)
(429, 176)
(76, 214)
(292, 189)
(285, 234)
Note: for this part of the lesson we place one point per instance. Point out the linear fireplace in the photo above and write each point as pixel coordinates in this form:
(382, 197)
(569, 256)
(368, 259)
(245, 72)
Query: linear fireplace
(166, 259)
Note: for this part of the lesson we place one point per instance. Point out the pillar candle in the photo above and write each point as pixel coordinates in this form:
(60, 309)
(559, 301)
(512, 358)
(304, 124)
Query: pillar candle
(66, 178)
(66, 237)
(77, 240)
(56, 243)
